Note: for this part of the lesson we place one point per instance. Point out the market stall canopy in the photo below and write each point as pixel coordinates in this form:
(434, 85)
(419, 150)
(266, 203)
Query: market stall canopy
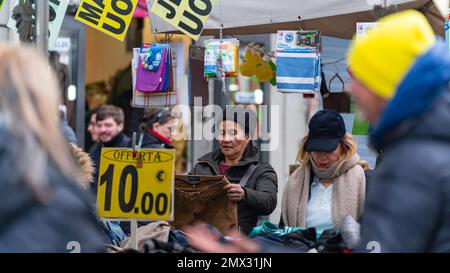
(336, 18)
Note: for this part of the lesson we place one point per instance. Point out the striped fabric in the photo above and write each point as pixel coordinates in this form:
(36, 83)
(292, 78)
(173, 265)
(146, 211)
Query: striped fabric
(298, 71)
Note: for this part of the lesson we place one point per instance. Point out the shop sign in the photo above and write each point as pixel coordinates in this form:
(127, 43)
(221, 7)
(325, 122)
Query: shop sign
(130, 188)
(189, 16)
(111, 17)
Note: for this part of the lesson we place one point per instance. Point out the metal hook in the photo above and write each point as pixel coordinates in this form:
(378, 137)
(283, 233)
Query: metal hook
(155, 37)
(336, 76)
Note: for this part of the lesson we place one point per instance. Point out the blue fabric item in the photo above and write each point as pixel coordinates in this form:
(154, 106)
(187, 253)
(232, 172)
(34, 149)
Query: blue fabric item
(267, 228)
(447, 33)
(168, 68)
(297, 66)
(317, 75)
(269, 240)
(114, 232)
(427, 79)
(178, 237)
(298, 70)
(115, 227)
(154, 59)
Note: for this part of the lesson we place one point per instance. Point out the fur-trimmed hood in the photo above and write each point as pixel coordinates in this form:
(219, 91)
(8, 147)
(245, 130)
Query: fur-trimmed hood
(85, 165)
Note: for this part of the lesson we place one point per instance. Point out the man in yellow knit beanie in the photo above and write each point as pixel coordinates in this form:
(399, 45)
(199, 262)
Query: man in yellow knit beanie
(400, 77)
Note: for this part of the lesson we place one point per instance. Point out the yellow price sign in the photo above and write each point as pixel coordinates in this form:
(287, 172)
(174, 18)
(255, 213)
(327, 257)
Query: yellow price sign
(111, 16)
(128, 192)
(189, 16)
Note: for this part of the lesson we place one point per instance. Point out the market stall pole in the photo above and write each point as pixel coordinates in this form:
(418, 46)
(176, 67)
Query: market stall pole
(42, 18)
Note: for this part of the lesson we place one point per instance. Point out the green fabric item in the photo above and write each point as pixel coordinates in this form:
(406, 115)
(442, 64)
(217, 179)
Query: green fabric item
(269, 228)
(360, 127)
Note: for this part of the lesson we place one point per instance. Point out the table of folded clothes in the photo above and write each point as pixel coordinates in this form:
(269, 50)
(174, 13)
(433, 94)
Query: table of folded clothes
(161, 237)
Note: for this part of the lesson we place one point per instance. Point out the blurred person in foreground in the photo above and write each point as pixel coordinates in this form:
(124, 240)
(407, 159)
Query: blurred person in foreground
(112, 232)
(42, 207)
(400, 81)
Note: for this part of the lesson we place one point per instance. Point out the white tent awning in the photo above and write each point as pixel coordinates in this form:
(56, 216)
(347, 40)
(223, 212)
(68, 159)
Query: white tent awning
(244, 13)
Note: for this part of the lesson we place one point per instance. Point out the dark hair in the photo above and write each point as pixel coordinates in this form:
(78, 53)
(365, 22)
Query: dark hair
(155, 115)
(94, 111)
(244, 117)
(110, 111)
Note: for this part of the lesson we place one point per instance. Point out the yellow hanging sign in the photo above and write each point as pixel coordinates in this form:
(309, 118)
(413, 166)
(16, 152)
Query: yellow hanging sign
(111, 17)
(136, 189)
(189, 16)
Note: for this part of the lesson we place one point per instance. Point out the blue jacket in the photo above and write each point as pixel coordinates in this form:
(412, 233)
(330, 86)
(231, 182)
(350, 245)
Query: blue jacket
(408, 203)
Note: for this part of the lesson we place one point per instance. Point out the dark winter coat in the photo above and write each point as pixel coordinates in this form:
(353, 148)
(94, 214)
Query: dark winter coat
(408, 203)
(66, 220)
(261, 188)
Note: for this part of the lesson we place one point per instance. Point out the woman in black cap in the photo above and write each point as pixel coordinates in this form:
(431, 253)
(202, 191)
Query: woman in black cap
(329, 182)
(238, 159)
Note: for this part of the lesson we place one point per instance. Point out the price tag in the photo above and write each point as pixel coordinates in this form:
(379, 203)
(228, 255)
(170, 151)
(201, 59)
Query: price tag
(128, 192)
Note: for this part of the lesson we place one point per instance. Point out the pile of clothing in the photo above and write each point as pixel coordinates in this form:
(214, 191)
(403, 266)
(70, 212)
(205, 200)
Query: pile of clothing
(303, 240)
(155, 237)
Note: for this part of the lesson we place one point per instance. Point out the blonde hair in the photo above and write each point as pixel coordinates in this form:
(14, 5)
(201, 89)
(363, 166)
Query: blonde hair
(348, 149)
(29, 100)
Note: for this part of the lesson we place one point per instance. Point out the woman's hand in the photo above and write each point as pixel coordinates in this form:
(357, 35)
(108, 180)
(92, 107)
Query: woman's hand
(235, 192)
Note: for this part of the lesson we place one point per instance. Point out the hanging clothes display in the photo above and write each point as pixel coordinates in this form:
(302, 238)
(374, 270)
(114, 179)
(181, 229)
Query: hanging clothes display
(228, 51)
(298, 62)
(153, 70)
(142, 65)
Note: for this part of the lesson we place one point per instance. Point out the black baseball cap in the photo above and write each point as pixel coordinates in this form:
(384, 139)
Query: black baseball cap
(326, 130)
